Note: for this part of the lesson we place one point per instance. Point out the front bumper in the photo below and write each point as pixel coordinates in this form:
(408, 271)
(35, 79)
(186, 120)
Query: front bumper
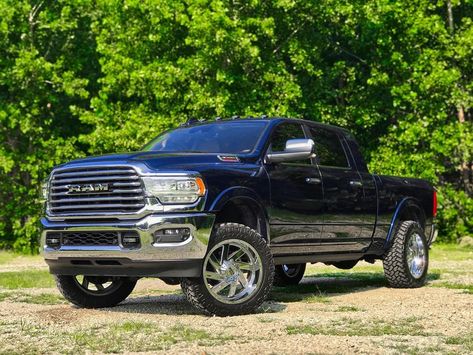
(150, 259)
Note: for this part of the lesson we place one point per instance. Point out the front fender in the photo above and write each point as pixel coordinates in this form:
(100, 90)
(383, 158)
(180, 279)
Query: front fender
(235, 192)
(249, 197)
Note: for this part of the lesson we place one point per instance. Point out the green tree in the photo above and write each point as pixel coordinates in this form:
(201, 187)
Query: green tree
(91, 77)
(48, 63)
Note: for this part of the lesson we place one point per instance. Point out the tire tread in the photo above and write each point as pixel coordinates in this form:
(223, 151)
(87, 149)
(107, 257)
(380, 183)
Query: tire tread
(394, 263)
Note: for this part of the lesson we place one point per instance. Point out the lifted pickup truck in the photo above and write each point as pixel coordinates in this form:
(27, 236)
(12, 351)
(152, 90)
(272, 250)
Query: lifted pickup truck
(228, 208)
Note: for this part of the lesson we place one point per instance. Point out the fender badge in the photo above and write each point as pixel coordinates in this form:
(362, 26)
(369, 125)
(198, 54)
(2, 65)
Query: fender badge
(229, 158)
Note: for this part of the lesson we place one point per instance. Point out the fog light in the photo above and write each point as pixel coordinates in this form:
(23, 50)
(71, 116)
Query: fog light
(130, 240)
(172, 235)
(53, 241)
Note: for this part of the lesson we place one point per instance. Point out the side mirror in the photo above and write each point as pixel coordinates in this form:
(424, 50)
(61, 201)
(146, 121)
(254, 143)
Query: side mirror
(296, 149)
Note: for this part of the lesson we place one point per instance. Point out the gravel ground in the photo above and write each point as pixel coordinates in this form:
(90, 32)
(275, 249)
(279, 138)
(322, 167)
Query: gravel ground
(331, 312)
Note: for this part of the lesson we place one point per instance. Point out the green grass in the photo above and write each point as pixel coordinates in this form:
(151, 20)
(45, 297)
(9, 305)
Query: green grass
(139, 336)
(129, 336)
(8, 256)
(371, 277)
(318, 287)
(450, 252)
(466, 341)
(355, 327)
(415, 350)
(26, 279)
(297, 293)
(41, 298)
(348, 309)
(467, 288)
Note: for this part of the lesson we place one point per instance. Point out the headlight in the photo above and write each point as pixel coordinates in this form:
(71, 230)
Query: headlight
(175, 190)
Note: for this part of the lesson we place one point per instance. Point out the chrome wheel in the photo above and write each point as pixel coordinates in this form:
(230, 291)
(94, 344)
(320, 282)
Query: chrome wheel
(233, 271)
(291, 270)
(98, 285)
(416, 256)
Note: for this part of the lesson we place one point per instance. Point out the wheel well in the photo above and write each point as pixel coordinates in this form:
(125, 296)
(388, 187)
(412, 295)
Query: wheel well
(412, 213)
(244, 211)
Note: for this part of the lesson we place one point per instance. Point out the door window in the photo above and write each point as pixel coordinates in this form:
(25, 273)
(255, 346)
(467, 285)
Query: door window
(328, 148)
(282, 134)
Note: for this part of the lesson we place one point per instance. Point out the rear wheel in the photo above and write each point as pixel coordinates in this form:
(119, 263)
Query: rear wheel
(407, 261)
(237, 273)
(286, 275)
(94, 291)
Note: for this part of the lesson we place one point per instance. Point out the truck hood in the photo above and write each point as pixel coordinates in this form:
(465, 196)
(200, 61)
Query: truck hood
(159, 160)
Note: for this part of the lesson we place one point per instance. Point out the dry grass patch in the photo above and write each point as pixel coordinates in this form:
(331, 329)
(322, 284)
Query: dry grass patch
(137, 336)
(129, 336)
(355, 327)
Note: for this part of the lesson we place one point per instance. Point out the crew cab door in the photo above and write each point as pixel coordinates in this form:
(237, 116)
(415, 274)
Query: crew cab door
(343, 193)
(296, 197)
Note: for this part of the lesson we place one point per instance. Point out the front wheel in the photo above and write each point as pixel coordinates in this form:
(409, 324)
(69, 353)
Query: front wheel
(407, 261)
(237, 273)
(94, 291)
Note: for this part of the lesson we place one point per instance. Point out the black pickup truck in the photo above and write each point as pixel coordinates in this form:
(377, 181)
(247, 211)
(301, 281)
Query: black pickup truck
(227, 208)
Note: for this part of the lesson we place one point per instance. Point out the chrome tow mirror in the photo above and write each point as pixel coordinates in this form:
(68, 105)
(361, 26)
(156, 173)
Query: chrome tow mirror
(296, 149)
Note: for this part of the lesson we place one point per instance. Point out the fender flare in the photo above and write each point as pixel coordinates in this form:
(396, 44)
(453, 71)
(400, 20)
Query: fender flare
(242, 193)
(405, 204)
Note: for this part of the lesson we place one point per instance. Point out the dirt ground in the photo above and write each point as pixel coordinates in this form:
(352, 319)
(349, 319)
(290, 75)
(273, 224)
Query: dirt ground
(331, 312)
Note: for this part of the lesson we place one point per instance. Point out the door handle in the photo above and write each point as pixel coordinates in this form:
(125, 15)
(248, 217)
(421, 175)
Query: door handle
(356, 183)
(313, 180)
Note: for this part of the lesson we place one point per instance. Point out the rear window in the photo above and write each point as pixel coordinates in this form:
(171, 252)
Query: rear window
(222, 137)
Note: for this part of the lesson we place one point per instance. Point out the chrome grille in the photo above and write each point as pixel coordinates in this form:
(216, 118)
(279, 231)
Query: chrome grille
(123, 194)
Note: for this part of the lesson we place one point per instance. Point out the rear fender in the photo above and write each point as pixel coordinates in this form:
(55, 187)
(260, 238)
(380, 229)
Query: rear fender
(407, 209)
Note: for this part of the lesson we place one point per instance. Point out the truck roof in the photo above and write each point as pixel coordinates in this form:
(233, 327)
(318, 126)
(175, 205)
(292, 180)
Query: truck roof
(264, 118)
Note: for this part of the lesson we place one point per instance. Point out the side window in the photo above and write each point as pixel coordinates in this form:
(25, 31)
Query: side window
(283, 133)
(328, 148)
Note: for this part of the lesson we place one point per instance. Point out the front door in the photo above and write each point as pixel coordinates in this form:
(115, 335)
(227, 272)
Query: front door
(296, 197)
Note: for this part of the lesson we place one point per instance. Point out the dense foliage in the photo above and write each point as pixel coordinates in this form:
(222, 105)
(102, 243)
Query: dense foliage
(93, 76)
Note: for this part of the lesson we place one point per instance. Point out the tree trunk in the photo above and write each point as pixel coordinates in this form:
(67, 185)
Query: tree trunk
(450, 16)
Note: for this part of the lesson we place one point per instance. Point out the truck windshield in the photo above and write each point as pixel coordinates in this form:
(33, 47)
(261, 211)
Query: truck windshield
(219, 137)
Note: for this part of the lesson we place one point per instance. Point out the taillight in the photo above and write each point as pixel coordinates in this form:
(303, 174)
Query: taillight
(434, 207)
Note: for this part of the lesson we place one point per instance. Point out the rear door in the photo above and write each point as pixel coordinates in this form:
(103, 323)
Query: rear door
(343, 192)
(296, 197)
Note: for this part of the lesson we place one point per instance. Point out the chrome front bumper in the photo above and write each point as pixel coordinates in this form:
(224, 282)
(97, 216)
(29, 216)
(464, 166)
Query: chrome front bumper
(150, 257)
